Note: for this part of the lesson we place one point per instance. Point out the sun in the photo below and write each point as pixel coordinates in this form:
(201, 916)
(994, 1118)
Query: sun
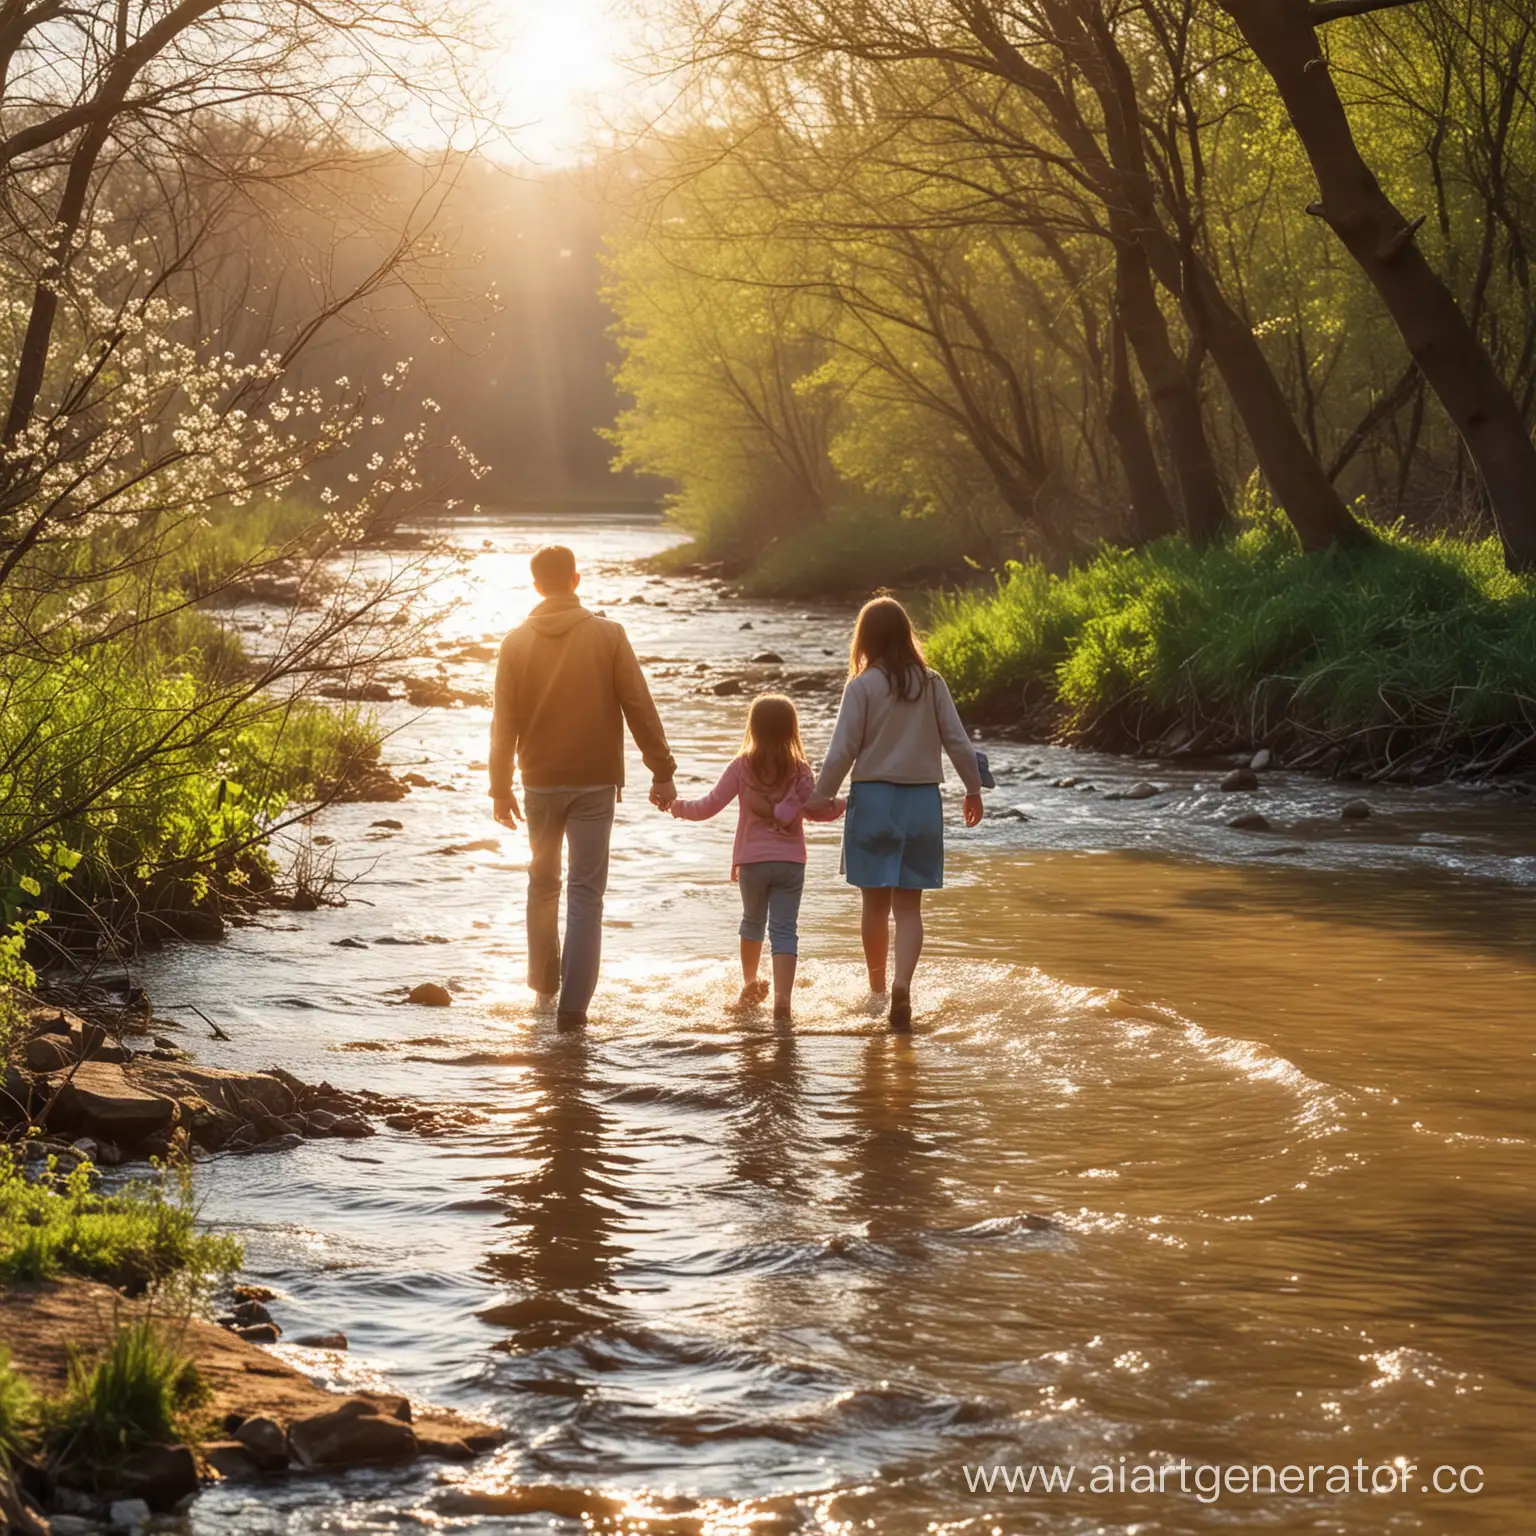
(557, 63)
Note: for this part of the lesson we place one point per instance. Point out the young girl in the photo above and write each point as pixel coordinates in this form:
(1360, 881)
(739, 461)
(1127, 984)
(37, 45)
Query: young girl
(895, 717)
(772, 780)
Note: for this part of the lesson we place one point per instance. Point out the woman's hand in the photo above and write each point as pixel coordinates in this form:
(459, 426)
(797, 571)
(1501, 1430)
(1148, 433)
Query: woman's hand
(974, 809)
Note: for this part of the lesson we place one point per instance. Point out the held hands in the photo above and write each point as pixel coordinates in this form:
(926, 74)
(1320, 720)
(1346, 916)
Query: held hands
(507, 811)
(973, 809)
(663, 793)
(818, 802)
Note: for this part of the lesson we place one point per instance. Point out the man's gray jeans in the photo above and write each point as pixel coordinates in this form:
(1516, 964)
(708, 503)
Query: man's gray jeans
(582, 818)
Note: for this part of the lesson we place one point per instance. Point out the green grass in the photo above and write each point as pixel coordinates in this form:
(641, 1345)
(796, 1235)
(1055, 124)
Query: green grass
(142, 1232)
(18, 1410)
(1427, 642)
(141, 1391)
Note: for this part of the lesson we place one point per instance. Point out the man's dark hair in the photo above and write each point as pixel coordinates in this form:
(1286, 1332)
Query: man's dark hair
(554, 568)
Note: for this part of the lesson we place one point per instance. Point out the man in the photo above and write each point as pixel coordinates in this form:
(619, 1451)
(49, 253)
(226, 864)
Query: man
(566, 683)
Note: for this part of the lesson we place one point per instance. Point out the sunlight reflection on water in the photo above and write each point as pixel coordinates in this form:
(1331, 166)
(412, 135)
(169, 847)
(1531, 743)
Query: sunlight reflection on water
(1273, 1112)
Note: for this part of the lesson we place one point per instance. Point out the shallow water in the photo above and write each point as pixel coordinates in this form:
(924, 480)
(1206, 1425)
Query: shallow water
(1209, 1146)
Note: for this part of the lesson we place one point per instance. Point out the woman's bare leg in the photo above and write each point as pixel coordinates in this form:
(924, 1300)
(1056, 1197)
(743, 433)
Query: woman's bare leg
(908, 909)
(875, 929)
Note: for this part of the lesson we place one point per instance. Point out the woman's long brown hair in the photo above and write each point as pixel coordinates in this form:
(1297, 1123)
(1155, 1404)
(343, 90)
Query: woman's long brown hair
(883, 637)
(772, 745)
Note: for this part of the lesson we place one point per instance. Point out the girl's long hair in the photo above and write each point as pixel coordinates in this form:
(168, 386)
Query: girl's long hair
(772, 745)
(883, 637)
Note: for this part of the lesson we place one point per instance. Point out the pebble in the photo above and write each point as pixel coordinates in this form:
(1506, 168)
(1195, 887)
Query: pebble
(1240, 778)
(1354, 810)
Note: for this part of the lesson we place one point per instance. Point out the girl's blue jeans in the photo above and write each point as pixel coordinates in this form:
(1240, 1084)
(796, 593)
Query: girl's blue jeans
(770, 901)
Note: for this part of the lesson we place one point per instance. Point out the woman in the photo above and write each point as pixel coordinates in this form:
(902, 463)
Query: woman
(896, 714)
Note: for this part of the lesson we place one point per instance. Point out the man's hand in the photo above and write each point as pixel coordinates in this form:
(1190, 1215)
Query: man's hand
(973, 809)
(507, 811)
(817, 802)
(663, 793)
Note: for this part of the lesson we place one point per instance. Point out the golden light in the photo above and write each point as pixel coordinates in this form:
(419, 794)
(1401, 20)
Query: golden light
(557, 65)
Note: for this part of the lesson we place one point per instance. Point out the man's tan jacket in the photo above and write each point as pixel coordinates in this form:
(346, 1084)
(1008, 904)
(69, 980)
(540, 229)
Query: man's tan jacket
(566, 683)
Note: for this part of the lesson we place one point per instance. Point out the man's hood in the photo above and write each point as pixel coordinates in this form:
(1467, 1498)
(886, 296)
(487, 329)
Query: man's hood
(557, 616)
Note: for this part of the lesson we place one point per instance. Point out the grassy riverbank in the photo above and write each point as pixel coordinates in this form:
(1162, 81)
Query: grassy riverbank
(1413, 658)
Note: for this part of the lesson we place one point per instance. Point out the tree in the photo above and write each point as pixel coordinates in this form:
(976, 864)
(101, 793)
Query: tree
(1283, 35)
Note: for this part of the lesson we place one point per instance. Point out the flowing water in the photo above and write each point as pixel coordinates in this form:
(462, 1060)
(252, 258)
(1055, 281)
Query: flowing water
(1209, 1148)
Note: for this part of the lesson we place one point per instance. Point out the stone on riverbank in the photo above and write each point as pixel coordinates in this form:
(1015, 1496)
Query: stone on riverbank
(248, 1390)
(355, 1434)
(265, 1442)
(99, 1099)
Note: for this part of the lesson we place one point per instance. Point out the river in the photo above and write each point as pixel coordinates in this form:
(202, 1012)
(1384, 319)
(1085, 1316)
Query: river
(1210, 1147)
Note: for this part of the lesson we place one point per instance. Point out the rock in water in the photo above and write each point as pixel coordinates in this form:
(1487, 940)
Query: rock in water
(265, 1442)
(320, 1341)
(1240, 778)
(230, 1459)
(1261, 760)
(430, 995)
(354, 1434)
(1251, 821)
(1354, 810)
(161, 1475)
(768, 659)
(1141, 791)
(726, 686)
(129, 1514)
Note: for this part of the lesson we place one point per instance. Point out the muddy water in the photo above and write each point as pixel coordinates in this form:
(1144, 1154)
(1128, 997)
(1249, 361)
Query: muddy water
(1210, 1147)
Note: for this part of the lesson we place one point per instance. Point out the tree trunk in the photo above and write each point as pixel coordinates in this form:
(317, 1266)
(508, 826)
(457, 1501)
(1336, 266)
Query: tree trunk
(1152, 513)
(1296, 479)
(1283, 36)
(1298, 482)
(1174, 397)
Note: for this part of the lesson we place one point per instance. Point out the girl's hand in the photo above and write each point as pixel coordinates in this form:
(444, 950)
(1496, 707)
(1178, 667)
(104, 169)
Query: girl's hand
(973, 810)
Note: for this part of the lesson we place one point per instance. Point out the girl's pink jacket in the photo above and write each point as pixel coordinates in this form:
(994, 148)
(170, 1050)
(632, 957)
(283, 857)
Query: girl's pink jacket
(758, 838)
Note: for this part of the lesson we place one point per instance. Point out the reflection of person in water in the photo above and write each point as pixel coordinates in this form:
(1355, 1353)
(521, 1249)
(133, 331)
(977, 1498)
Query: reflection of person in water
(563, 1211)
(768, 1118)
(896, 1186)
